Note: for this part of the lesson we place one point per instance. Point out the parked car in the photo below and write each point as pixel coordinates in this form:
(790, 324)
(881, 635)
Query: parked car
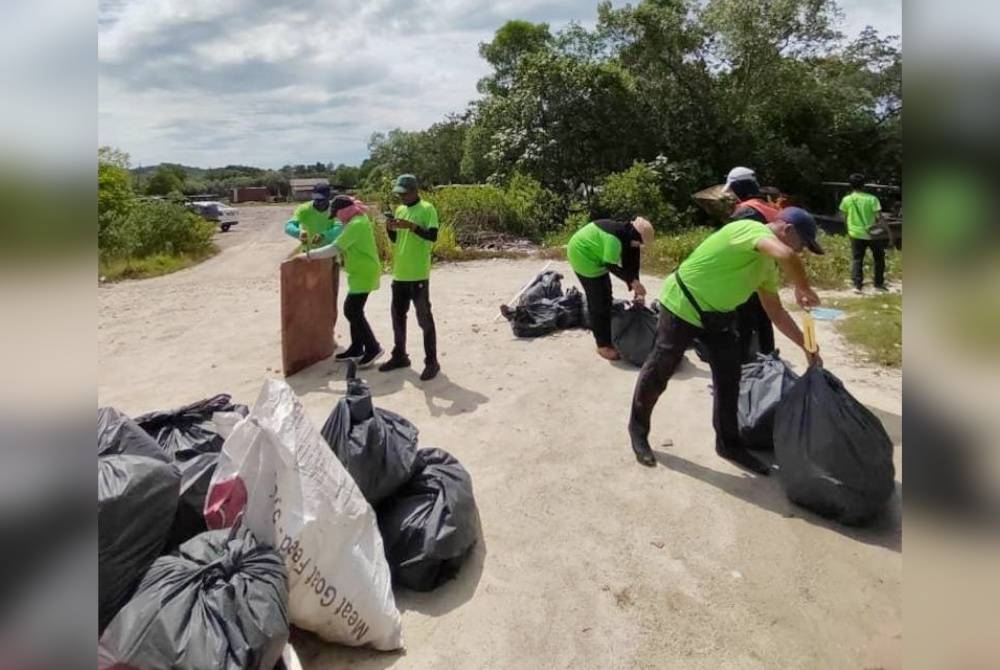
(216, 212)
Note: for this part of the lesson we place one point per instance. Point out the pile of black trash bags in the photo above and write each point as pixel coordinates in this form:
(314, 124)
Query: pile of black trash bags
(834, 456)
(174, 595)
(633, 331)
(423, 498)
(543, 308)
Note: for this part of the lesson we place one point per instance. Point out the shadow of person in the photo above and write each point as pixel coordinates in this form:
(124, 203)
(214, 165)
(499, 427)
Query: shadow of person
(456, 399)
(765, 492)
(453, 593)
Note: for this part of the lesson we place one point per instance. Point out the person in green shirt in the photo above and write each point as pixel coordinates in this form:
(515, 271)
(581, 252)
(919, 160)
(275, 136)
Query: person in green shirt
(595, 252)
(413, 230)
(861, 211)
(314, 226)
(699, 301)
(356, 245)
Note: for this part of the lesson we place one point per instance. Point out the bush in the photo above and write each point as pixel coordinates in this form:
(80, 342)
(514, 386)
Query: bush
(154, 227)
(535, 211)
(574, 222)
(670, 249)
(636, 192)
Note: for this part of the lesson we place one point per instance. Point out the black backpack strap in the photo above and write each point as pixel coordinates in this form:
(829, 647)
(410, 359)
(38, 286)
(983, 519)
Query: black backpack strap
(687, 294)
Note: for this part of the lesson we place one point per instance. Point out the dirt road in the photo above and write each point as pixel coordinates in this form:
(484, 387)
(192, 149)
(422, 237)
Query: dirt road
(588, 560)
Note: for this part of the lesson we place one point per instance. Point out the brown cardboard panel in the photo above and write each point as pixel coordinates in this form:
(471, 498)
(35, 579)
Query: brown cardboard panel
(308, 312)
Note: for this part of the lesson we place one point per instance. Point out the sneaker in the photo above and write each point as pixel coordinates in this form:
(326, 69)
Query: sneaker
(608, 353)
(349, 354)
(368, 359)
(395, 363)
(431, 371)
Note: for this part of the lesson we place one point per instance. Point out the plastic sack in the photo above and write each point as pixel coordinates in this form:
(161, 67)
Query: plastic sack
(633, 331)
(220, 603)
(193, 435)
(430, 525)
(763, 384)
(190, 430)
(545, 286)
(534, 319)
(834, 455)
(279, 475)
(118, 434)
(375, 445)
(136, 502)
(572, 310)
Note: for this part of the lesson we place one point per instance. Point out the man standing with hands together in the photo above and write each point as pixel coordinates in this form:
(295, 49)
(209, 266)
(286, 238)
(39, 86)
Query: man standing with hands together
(413, 229)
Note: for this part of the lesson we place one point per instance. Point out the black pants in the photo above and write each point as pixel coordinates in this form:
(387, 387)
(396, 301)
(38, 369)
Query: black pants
(419, 293)
(751, 320)
(673, 336)
(858, 248)
(362, 338)
(599, 300)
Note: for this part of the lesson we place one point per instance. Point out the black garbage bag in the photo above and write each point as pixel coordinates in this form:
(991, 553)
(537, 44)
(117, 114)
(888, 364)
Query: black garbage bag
(429, 526)
(572, 312)
(378, 447)
(136, 503)
(834, 455)
(633, 331)
(191, 436)
(534, 319)
(221, 603)
(763, 384)
(190, 430)
(546, 286)
(118, 434)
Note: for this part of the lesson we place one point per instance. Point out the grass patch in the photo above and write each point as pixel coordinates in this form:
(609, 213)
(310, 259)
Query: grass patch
(875, 324)
(150, 266)
(833, 269)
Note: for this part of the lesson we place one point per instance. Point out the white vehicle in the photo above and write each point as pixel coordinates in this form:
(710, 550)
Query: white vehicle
(217, 212)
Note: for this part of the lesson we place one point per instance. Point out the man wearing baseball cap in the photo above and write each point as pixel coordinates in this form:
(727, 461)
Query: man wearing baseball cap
(413, 230)
(699, 301)
(314, 226)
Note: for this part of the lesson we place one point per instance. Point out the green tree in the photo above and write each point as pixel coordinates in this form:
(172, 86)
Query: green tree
(166, 180)
(511, 43)
(114, 189)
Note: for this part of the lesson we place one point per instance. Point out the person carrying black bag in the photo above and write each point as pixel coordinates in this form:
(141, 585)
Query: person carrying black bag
(699, 300)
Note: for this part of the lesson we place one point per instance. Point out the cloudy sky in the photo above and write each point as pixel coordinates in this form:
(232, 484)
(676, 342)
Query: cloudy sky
(216, 82)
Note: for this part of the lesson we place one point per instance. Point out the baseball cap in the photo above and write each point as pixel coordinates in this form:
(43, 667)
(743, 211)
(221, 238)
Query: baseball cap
(740, 174)
(321, 192)
(805, 226)
(405, 183)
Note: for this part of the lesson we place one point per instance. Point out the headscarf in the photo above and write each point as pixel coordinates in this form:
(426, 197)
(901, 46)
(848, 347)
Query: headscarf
(346, 208)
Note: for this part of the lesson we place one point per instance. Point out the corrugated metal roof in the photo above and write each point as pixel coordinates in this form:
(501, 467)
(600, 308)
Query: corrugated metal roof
(307, 183)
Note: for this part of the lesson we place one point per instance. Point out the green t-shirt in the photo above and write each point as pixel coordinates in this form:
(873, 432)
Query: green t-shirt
(860, 210)
(412, 254)
(591, 250)
(722, 272)
(361, 263)
(316, 222)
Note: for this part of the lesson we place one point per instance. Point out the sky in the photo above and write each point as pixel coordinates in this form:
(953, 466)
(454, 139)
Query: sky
(253, 82)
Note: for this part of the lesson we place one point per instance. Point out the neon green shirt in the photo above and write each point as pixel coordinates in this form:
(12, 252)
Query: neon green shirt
(412, 254)
(361, 263)
(860, 210)
(722, 272)
(591, 250)
(315, 222)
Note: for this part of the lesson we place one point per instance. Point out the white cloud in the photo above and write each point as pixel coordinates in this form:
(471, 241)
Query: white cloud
(213, 82)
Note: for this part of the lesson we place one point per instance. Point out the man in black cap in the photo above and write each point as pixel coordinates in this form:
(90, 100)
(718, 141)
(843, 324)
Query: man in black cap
(699, 301)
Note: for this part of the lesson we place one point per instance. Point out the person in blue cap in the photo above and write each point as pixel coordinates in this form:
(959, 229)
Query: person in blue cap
(699, 300)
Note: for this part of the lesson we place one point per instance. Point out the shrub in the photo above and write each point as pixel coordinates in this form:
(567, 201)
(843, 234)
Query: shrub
(535, 211)
(154, 227)
(669, 249)
(576, 220)
(636, 192)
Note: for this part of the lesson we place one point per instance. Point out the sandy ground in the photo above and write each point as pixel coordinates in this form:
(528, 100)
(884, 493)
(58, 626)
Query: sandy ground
(588, 560)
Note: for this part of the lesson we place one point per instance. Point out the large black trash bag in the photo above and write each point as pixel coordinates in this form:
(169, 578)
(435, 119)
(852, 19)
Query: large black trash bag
(572, 312)
(633, 331)
(763, 384)
(834, 455)
(190, 430)
(192, 438)
(220, 603)
(535, 319)
(118, 434)
(136, 503)
(546, 286)
(378, 447)
(429, 526)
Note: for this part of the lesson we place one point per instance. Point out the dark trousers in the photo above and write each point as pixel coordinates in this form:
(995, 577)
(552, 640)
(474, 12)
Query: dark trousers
(419, 293)
(858, 248)
(673, 336)
(362, 338)
(751, 319)
(598, 292)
